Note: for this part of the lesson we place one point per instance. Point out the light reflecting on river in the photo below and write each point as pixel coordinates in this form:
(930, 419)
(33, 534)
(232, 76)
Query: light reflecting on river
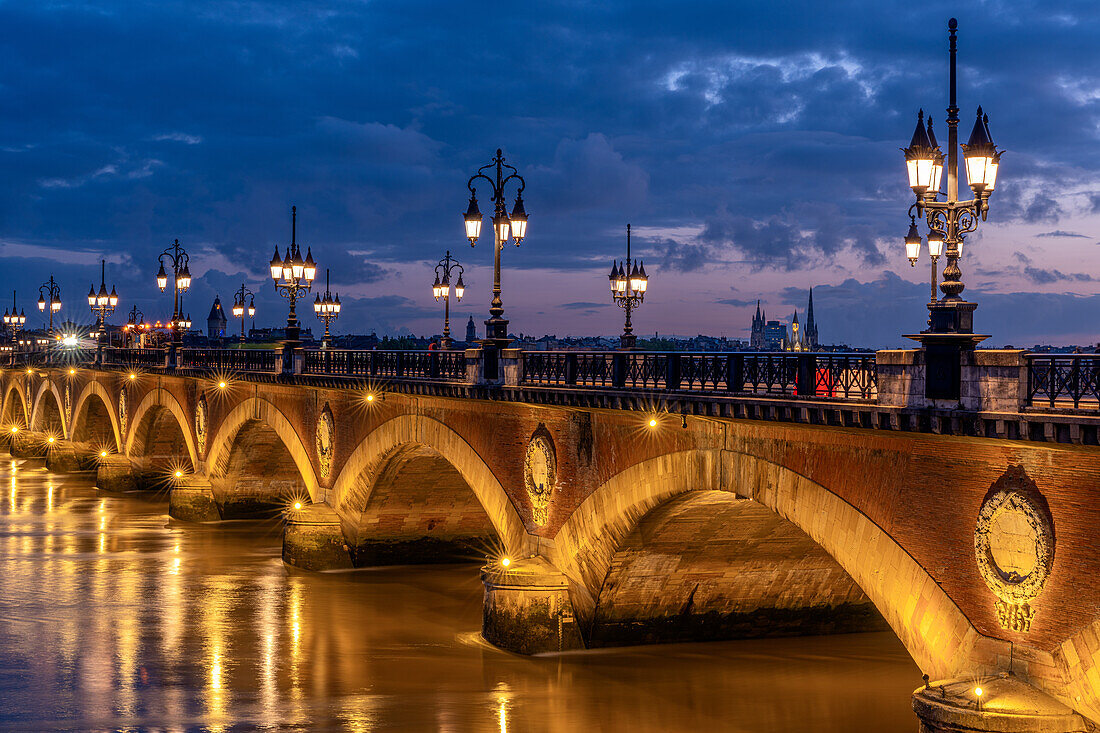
(112, 618)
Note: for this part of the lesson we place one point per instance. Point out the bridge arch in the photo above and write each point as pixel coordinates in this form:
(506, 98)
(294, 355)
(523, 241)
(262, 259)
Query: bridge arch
(94, 418)
(160, 411)
(16, 411)
(48, 411)
(933, 630)
(246, 437)
(415, 443)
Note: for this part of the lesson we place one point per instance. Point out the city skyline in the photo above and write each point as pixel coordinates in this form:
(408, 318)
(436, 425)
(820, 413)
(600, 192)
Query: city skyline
(754, 160)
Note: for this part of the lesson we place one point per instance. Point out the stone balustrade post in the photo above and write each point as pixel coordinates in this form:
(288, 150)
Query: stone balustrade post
(511, 367)
(991, 380)
(475, 366)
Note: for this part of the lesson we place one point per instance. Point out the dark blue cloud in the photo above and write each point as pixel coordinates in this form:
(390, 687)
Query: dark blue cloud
(758, 136)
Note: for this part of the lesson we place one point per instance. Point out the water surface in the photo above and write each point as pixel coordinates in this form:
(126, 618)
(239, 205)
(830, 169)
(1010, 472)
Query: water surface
(112, 617)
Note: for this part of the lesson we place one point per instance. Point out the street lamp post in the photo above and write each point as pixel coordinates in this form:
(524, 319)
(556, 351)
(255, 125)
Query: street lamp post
(240, 308)
(292, 276)
(951, 319)
(134, 324)
(628, 289)
(14, 320)
(441, 288)
(52, 290)
(102, 304)
(327, 309)
(179, 260)
(504, 227)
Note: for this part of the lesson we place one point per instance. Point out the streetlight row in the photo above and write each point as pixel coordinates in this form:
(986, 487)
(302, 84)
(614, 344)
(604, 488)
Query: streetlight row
(950, 318)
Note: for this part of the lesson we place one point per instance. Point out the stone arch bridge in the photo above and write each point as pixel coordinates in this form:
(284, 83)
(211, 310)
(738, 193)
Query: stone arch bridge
(609, 516)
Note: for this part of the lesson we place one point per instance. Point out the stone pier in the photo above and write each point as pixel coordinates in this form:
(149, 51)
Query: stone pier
(527, 607)
(29, 444)
(314, 540)
(65, 456)
(191, 499)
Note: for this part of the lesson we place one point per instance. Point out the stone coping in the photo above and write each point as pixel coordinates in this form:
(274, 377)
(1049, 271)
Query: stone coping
(524, 574)
(1008, 705)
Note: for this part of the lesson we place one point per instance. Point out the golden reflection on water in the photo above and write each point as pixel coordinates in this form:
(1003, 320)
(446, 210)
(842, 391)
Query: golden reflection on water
(113, 618)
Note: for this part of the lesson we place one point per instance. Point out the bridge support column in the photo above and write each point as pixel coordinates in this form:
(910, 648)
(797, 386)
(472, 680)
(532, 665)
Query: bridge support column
(117, 473)
(527, 608)
(192, 500)
(65, 456)
(314, 540)
(28, 444)
(1007, 705)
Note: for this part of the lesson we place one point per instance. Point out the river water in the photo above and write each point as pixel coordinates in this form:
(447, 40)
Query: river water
(114, 618)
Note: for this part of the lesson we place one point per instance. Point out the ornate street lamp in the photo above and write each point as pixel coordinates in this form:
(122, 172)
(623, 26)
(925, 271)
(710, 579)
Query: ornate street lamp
(51, 290)
(135, 324)
(102, 304)
(628, 288)
(441, 288)
(504, 227)
(951, 319)
(292, 276)
(327, 309)
(181, 275)
(15, 320)
(239, 307)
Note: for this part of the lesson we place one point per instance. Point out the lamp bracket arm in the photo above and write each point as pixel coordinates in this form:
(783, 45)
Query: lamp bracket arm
(479, 174)
(515, 174)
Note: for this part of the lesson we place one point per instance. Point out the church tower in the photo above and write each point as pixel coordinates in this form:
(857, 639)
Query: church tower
(471, 331)
(810, 337)
(756, 337)
(216, 322)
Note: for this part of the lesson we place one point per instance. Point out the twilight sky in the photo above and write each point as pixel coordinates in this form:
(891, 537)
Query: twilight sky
(753, 146)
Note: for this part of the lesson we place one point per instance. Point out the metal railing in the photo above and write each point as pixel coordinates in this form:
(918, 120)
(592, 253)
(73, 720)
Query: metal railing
(134, 357)
(443, 365)
(230, 360)
(822, 375)
(1062, 380)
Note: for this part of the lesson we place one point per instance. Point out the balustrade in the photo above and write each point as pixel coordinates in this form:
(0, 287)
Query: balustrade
(822, 375)
(1063, 380)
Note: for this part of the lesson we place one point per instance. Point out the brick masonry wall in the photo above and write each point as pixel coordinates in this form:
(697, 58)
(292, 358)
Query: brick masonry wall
(918, 494)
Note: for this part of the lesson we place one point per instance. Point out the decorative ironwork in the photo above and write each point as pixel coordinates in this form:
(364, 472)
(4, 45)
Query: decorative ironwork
(441, 365)
(230, 360)
(821, 375)
(505, 227)
(1063, 379)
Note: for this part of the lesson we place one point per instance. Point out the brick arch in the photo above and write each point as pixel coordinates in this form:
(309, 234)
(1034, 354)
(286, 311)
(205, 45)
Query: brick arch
(260, 410)
(15, 385)
(48, 386)
(929, 624)
(157, 399)
(395, 438)
(95, 390)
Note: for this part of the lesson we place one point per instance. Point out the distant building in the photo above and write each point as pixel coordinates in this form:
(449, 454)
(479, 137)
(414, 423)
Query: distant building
(756, 339)
(811, 325)
(471, 331)
(768, 335)
(775, 336)
(216, 322)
